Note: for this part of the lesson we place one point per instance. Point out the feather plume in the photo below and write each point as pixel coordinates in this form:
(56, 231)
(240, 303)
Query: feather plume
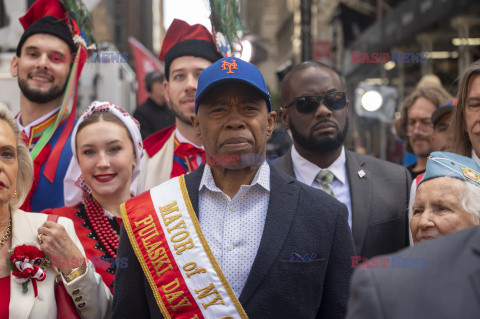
(225, 17)
(77, 11)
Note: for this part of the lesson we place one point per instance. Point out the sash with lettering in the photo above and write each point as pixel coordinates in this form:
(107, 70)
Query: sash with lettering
(185, 278)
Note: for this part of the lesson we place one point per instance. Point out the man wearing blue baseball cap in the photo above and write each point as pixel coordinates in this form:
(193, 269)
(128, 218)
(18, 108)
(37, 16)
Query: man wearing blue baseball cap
(438, 278)
(441, 120)
(264, 245)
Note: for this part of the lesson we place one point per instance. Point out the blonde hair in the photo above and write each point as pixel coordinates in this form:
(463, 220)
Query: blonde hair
(429, 80)
(458, 128)
(25, 164)
(437, 95)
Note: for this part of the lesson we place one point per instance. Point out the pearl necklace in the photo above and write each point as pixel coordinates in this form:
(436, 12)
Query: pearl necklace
(101, 226)
(7, 234)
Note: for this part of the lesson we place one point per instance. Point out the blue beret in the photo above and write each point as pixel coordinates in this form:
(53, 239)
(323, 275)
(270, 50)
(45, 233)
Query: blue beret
(445, 164)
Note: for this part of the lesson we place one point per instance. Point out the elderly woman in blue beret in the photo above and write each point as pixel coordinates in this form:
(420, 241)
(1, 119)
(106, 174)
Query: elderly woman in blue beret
(447, 198)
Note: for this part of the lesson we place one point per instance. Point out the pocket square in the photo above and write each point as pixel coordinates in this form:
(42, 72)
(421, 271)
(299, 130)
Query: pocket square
(296, 257)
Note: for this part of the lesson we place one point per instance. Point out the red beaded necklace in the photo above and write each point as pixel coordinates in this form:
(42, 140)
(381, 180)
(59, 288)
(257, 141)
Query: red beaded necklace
(101, 226)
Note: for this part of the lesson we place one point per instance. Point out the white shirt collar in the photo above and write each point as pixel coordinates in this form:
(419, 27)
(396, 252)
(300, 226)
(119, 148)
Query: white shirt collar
(308, 171)
(262, 178)
(475, 157)
(27, 128)
(183, 139)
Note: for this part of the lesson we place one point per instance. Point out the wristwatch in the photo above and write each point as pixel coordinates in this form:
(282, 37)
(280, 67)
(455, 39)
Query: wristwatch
(75, 273)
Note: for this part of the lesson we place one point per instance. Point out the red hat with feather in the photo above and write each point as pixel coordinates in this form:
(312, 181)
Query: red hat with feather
(183, 39)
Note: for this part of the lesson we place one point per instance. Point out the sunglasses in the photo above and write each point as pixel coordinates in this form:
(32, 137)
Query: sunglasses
(307, 104)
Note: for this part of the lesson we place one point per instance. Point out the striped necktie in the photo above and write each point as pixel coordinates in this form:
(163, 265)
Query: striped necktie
(325, 179)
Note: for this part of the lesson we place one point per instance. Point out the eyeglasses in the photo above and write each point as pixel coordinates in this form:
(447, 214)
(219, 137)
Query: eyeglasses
(423, 126)
(307, 104)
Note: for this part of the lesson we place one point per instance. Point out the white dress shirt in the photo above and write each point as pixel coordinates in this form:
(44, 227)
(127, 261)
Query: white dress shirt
(233, 227)
(306, 171)
(475, 157)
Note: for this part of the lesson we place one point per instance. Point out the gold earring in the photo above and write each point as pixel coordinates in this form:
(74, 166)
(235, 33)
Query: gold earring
(15, 194)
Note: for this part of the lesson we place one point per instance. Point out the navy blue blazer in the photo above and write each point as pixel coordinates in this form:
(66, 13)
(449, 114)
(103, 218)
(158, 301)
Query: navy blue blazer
(300, 220)
(439, 278)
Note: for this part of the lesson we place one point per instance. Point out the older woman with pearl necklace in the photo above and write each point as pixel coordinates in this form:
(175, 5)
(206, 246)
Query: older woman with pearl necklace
(30, 244)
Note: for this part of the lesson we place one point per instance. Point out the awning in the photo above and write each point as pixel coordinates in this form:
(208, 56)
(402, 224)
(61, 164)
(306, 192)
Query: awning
(402, 23)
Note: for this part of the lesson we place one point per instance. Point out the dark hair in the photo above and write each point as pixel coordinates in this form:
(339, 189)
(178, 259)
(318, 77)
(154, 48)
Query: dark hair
(103, 116)
(302, 66)
(48, 25)
(152, 77)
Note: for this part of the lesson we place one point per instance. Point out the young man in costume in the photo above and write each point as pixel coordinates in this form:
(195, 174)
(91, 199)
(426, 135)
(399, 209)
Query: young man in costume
(48, 76)
(281, 247)
(187, 51)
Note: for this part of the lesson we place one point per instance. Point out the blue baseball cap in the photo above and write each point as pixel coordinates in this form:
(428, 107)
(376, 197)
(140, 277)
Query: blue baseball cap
(231, 69)
(445, 164)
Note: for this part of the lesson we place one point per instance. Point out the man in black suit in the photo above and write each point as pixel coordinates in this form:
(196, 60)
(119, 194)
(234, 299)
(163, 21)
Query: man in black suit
(376, 192)
(154, 115)
(285, 248)
(439, 278)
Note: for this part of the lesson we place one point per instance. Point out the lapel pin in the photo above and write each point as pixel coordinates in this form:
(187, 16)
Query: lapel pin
(361, 173)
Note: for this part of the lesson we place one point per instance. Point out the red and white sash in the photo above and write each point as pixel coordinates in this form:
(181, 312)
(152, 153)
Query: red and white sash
(185, 278)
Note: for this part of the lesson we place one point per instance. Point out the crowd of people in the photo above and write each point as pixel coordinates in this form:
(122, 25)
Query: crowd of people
(181, 215)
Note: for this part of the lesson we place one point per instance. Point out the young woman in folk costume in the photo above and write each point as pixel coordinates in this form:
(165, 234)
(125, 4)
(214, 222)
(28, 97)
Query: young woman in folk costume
(107, 148)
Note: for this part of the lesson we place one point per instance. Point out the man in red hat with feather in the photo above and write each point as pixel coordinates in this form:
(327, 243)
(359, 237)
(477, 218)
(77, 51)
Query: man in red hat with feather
(187, 50)
(48, 62)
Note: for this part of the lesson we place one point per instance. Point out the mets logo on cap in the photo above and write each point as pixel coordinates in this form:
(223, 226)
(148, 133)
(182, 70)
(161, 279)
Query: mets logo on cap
(229, 66)
(470, 174)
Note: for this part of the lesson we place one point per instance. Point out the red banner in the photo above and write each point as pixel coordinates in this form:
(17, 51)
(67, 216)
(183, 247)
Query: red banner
(145, 62)
(322, 52)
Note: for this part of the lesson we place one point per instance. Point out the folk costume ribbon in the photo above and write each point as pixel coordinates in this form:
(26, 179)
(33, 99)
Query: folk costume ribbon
(70, 91)
(184, 276)
(185, 158)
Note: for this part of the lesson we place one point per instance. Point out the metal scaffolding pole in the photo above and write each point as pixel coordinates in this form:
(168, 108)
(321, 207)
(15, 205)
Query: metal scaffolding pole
(306, 23)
